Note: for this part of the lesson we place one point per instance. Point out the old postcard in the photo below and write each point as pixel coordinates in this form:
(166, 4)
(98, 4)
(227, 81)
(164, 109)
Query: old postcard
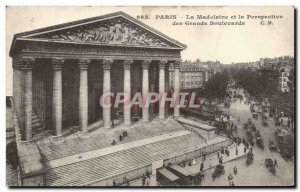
(150, 96)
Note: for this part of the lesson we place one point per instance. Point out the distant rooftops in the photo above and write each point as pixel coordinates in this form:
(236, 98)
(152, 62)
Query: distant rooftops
(198, 65)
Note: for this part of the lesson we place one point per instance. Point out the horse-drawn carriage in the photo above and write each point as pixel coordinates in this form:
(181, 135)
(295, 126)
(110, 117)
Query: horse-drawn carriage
(257, 133)
(255, 115)
(270, 165)
(285, 143)
(264, 117)
(245, 143)
(260, 143)
(272, 146)
(219, 170)
(277, 122)
(265, 108)
(249, 121)
(249, 137)
(265, 123)
(249, 159)
(253, 127)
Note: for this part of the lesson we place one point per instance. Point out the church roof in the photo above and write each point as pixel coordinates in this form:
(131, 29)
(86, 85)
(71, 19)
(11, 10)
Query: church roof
(115, 29)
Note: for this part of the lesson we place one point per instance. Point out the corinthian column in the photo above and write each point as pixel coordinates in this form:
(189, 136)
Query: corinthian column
(106, 103)
(127, 91)
(25, 65)
(57, 64)
(83, 94)
(145, 66)
(176, 88)
(162, 65)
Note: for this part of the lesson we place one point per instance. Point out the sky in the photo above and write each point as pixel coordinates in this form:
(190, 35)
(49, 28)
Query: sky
(227, 44)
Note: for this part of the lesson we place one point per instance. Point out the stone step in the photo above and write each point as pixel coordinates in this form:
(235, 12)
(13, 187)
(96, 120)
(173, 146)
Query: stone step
(113, 164)
(10, 129)
(36, 124)
(9, 140)
(10, 134)
(34, 120)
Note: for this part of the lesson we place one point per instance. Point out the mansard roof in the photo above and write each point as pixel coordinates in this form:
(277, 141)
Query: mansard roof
(116, 29)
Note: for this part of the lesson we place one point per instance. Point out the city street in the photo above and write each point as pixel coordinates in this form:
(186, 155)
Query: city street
(256, 174)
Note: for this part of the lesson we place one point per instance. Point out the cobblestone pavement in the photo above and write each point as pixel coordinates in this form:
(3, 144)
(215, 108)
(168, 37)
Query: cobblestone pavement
(256, 174)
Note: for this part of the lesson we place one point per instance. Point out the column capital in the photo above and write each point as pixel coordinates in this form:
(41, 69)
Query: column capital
(162, 64)
(84, 63)
(57, 63)
(145, 64)
(23, 63)
(106, 63)
(176, 64)
(127, 64)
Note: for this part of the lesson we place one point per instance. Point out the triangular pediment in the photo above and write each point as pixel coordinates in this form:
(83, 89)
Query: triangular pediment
(115, 29)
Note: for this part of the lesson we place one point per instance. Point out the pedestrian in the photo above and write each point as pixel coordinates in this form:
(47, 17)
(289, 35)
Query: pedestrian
(125, 180)
(194, 161)
(239, 140)
(148, 174)
(230, 177)
(112, 123)
(143, 180)
(235, 170)
(227, 152)
(245, 149)
(114, 182)
(204, 157)
(201, 166)
(221, 160)
(275, 163)
(218, 154)
(236, 151)
(112, 119)
(120, 138)
(281, 121)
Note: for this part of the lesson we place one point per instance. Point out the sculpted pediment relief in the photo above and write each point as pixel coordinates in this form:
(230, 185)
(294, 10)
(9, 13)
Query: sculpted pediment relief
(117, 31)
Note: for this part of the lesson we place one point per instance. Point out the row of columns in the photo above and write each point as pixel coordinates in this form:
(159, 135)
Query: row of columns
(57, 64)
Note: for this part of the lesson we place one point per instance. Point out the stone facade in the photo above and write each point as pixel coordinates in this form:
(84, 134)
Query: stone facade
(193, 75)
(61, 72)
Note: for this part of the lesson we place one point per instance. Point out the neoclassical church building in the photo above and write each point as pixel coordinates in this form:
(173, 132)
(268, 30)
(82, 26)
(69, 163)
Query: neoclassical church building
(60, 72)
(63, 135)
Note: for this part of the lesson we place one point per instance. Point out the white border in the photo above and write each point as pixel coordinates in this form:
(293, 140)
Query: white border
(5, 3)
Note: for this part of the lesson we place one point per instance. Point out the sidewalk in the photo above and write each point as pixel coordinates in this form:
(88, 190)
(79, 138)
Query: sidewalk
(210, 162)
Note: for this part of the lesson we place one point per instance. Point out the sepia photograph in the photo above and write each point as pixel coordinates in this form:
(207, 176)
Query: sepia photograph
(150, 96)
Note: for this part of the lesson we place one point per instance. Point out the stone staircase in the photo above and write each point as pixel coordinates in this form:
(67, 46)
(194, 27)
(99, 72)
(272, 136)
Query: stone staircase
(126, 161)
(37, 126)
(10, 135)
(10, 131)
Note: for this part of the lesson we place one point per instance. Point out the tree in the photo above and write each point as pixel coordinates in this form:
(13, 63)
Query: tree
(215, 87)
